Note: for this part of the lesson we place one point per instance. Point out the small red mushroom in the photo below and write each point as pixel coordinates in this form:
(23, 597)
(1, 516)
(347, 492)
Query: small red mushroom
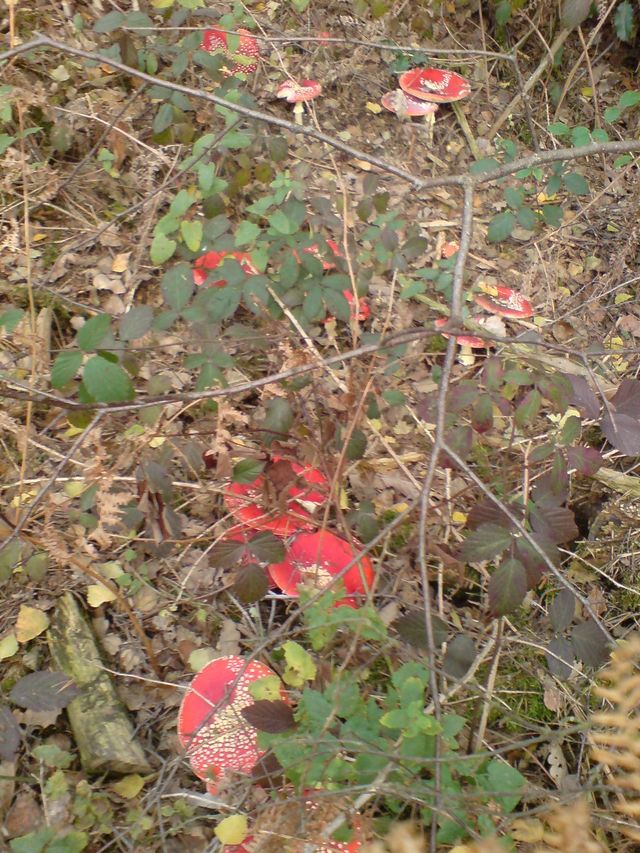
(434, 85)
(248, 49)
(464, 340)
(210, 261)
(449, 249)
(211, 728)
(315, 559)
(246, 501)
(402, 104)
(503, 301)
(298, 94)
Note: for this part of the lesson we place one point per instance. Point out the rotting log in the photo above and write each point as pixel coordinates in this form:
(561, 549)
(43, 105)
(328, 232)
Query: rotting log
(101, 728)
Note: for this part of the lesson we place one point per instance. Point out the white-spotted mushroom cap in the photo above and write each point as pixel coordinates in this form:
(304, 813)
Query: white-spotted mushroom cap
(402, 104)
(248, 50)
(503, 301)
(435, 85)
(314, 559)
(296, 93)
(215, 735)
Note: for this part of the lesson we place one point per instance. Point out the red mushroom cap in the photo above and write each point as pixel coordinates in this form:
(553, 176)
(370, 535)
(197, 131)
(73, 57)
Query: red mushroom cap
(295, 92)
(434, 84)
(503, 301)
(245, 501)
(402, 104)
(216, 40)
(450, 249)
(211, 727)
(212, 260)
(463, 340)
(315, 558)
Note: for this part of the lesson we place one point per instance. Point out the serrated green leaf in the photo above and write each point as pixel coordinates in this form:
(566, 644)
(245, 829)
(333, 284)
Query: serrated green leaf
(247, 470)
(65, 367)
(136, 322)
(624, 21)
(91, 335)
(485, 543)
(514, 197)
(501, 226)
(576, 184)
(246, 233)
(107, 382)
(177, 286)
(109, 22)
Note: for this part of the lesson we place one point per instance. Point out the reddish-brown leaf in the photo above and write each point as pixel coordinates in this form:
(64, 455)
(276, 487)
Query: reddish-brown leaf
(267, 716)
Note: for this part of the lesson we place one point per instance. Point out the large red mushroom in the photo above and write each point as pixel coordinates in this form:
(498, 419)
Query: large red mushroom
(438, 86)
(503, 301)
(244, 57)
(304, 490)
(210, 261)
(314, 559)
(211, 728)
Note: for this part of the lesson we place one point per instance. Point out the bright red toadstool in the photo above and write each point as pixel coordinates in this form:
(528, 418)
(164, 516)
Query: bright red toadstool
(211, 727)
(210, 261)
(315, 559)
(402, 104)
(503, 301)
(434, 85)
(298, 94)
(247, 501)
(245, 55)
(464, 340)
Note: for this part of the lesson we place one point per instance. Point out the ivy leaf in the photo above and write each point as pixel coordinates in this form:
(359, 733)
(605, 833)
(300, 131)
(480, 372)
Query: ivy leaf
(485, 543)
(272, 717)
(507, 587)
(107, 382)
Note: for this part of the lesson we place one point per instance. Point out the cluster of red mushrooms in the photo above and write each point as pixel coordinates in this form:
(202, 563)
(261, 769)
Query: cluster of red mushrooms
(217, 738)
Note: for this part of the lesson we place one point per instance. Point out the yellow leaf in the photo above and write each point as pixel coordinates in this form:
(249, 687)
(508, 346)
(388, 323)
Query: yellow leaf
(232, 830)
(300, 664)
(74, 488)
(157, 442)
(98, 594)
(586, 92)
(622, 297)
(23, 498)
(543, 198)
(30, 623)
(373, 107)
(459, 517)
(129, 786)
(8, 646)
(199, 658)
(527, 830)
(266, 688)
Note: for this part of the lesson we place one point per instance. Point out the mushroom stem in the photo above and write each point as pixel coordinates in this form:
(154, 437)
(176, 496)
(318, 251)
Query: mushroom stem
(298, 110)
(466, 130)
(430, 123)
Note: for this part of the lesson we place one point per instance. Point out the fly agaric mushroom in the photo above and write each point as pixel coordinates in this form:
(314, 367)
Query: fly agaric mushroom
(406, 106)
(211, 728)
(436, 87)
(315, 559)
(298, 94)
(210, 261)
(465, 342)
(503, 301)
(245, 55)
(305, 490)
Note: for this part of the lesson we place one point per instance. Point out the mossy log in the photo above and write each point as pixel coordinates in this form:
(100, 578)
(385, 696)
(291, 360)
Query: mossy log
(101, 728)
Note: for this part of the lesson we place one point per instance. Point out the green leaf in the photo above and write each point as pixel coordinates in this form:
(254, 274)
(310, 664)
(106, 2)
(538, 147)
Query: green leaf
(177, 286)
(357, 445)
(300, 665)
(247, 471)
(6, 141)
(281, 224)
(136, 322)
(503, 778)
(487, 164)
(514, 197)
(485, 543)
(622, 160)
(91, 335)
(246, 233)
(527, 218)
(575, 183)
(629, 99)
(109, 22)
(580, 136)
(107, 382)
(507, 587)
(65, 368)
(559, 128)
(612, 114)
(624, 21)
(552, 215)
(163, 119)
(501, 226)
(191, 230)
(9, 319)
(161, 249)
(528, 409)
(394, 397)
(278, 420)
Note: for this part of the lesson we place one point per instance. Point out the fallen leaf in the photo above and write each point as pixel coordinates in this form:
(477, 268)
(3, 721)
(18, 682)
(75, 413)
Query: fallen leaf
(98, 594)
(232, 830)
(30, 623)
(129, 786)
